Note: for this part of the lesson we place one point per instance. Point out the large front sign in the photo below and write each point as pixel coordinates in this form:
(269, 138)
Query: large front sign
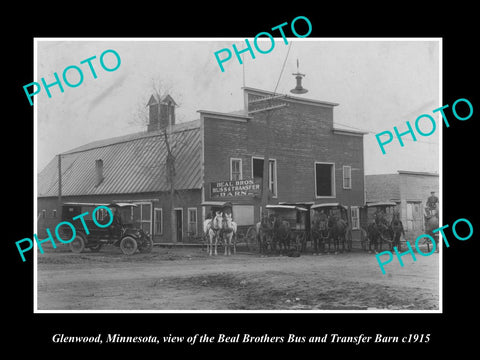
(235, 188)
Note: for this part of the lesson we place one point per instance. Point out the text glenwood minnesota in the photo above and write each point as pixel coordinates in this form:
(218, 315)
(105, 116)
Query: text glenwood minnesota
(243, 338)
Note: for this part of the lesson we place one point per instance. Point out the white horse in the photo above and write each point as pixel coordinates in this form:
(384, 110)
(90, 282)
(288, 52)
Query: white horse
(229, 229)
(212, 228)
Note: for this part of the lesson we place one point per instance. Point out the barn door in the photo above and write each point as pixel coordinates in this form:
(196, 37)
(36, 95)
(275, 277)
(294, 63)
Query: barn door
(414, 216)
(178, 225)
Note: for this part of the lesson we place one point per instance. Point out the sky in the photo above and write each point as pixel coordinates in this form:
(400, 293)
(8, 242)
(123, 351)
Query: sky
(378, 84)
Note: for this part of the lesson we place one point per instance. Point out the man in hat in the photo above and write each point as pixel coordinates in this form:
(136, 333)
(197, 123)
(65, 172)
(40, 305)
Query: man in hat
(115, 228)
(431, 208)
(432, 201)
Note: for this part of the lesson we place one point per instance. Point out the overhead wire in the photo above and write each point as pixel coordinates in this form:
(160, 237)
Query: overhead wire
(338, 123)
(283, 67)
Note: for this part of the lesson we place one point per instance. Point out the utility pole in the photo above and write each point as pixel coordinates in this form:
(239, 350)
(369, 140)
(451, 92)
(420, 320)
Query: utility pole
(269, 111)
(59, 205)
(266, 161)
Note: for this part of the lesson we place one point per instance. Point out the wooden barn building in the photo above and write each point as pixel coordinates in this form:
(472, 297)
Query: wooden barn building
(218, 157)
(409, 190)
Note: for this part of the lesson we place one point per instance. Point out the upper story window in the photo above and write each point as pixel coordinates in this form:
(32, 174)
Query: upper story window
(324, 179)
(347, 177)
(257, 171)
(235, 169)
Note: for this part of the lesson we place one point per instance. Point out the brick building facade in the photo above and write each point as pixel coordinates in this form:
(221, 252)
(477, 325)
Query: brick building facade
(310, 161)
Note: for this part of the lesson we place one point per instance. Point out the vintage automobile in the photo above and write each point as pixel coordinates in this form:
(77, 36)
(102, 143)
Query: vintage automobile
(126, 235)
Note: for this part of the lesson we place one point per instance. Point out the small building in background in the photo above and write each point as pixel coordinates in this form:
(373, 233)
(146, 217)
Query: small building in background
(410, 190)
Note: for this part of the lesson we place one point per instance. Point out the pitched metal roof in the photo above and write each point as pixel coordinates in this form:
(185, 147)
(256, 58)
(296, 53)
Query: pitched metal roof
(131, 164)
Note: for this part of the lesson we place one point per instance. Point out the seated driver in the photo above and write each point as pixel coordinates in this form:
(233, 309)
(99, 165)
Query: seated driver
(431, 205)
(116, 226)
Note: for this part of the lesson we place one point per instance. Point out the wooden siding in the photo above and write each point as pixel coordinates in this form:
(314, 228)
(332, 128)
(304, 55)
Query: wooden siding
(184, 200)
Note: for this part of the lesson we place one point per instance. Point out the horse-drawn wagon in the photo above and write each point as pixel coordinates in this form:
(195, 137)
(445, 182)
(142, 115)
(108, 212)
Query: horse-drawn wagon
(285, 226)
(330, 223)
(220, 227)
(380, 223)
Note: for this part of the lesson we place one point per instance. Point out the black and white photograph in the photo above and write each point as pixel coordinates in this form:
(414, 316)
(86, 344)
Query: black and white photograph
(291, 181)
(243, 189)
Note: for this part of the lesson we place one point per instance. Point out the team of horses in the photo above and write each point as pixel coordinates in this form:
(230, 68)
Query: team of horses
(380, 231)
(275, 234)
(327, 231)
(220, 228)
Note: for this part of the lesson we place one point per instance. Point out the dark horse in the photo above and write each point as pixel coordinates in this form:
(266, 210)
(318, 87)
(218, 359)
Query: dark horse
(337, 231)
(320, 233)
(431, 223)
(396, 228)
(265, 233)
(281, 235)
(378, 232)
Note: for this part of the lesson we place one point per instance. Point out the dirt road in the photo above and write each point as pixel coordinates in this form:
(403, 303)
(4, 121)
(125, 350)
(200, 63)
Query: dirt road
(188, 279)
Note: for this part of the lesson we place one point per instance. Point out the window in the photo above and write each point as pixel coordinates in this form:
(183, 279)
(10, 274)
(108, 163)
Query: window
(347, 177)
(158, 221)
(355, 215)
(54, 213)
(192, 221)
(142, 214)
(235, 169)
(101, 214)
(44, 214)
(324, 179)
(146, 217)
(272, 177)
(257, 171)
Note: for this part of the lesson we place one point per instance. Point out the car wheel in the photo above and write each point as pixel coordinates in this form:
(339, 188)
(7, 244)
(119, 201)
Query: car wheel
(78, 244)
(147, 245)
(128, 245)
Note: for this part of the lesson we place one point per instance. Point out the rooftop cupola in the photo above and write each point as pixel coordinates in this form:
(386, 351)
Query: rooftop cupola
(161, 112)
